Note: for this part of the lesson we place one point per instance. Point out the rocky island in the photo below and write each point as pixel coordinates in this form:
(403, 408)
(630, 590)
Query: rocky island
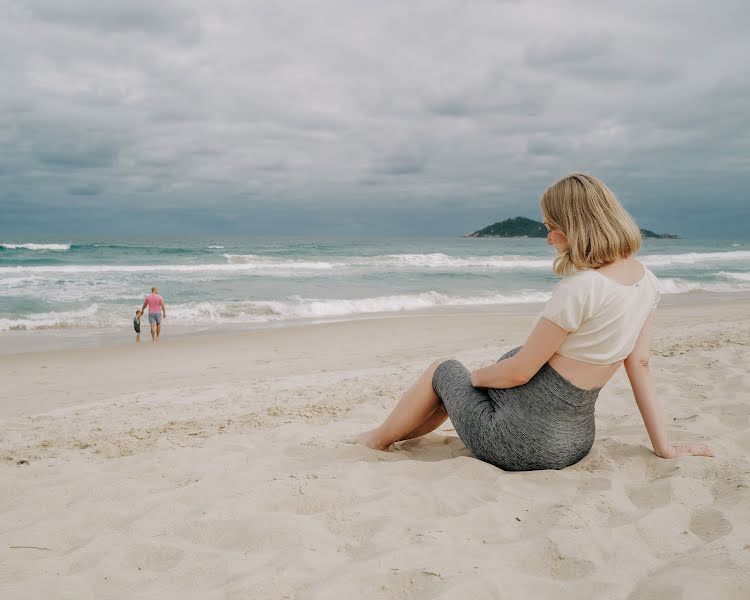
(523, 227)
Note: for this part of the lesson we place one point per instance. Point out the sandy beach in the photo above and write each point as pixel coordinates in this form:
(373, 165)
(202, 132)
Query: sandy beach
(211, 467)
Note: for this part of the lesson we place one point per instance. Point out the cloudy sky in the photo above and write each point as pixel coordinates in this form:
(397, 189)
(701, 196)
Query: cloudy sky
(323, 117)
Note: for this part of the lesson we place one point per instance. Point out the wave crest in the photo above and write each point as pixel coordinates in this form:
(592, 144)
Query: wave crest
(691, 258)
(52, 320)
(265, 262)
(735, 276)
(264, 311)
(37, 247)
(309, 308)
(674, 285)
(438, 260)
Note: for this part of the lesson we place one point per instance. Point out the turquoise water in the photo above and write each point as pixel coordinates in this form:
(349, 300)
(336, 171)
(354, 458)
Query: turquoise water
(96, 285)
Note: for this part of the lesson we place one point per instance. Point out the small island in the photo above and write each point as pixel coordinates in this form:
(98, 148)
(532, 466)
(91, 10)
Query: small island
(659, 236)
(523, 227)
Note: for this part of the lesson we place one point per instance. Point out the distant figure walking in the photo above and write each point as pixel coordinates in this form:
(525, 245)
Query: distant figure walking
(156, 308)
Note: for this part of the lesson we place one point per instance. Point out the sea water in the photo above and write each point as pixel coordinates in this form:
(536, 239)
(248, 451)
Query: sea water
(85, 288)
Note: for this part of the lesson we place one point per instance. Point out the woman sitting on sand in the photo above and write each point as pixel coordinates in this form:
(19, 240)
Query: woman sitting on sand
(534, 408)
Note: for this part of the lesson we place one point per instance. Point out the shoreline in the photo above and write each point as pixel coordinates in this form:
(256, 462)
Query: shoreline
(235, 356)
(43, 340)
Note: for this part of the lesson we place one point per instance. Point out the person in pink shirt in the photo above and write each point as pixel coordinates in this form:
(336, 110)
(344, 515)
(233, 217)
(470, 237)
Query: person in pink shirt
(156, 308)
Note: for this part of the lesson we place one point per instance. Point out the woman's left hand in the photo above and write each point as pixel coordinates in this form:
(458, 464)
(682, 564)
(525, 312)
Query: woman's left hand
(686, 450)
(475, 378)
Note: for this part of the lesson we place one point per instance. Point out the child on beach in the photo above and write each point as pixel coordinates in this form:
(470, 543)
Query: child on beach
(137, 324)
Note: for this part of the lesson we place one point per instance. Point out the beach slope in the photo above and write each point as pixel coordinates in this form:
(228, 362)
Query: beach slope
(212, 467)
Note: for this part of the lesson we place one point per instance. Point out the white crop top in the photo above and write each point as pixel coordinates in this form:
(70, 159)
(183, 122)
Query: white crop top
(603, 317)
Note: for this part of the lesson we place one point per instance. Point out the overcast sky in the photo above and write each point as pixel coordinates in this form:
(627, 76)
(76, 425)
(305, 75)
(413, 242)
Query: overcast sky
(322, 117)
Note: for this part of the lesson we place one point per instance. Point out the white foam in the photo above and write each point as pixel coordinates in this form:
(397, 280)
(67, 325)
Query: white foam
(297, 307)
(736, 276)
(85, 318)
(264, 311)
(265, 269)
(281, 267)
(109, 316)
(310, 308)
(12, 283)
(104, 292)
(691, 258)
(251, 261)
(671, 285)
(30, 246)
(438, 260)
(216, 247)
(220, 312)
(432, 261)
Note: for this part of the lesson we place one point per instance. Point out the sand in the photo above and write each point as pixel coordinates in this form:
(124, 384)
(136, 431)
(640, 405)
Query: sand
(211, 467)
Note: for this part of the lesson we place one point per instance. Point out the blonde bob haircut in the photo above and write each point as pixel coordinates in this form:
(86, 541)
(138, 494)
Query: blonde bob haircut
(599, 230)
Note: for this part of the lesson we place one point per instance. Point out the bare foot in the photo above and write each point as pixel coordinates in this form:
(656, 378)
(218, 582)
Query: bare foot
(369, 439)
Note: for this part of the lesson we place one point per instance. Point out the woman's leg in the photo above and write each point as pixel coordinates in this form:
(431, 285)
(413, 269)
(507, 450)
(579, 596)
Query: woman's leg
(419, 411)
(437, 418)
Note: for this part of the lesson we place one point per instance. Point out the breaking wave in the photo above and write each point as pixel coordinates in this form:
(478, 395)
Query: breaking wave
(32, 246)
(265, 311)
(691, 258)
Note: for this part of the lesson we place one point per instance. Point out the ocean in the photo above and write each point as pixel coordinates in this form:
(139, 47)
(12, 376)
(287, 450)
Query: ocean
(88, 290)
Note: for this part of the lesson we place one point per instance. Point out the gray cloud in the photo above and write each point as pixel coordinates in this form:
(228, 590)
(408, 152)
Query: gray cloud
(335, 118)
(74, 151)
(91, 189)
(140, 16)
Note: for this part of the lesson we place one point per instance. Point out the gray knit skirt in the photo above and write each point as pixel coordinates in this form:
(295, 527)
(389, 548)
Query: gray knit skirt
(546, 423)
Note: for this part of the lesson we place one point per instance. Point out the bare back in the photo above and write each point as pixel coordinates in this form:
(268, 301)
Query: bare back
(584, 375)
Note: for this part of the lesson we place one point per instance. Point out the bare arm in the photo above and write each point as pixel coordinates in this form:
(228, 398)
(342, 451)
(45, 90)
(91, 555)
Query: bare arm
(542, 344)
(163, 307)
(644, 390)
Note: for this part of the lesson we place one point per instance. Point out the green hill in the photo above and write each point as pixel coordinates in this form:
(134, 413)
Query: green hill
(659, 236)
(523, 227)
(516, 227)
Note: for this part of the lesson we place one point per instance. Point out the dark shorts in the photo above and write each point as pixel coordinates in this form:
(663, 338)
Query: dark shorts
(546, 423)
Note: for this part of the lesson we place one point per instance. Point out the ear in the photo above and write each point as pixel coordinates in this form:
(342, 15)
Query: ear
(557, 238)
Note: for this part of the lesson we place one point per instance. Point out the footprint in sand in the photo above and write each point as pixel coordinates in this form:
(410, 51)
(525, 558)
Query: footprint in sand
(153, 557)
(650, 495)
(709, 524)
(734, 416)
(549, 561)
(650, 590)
